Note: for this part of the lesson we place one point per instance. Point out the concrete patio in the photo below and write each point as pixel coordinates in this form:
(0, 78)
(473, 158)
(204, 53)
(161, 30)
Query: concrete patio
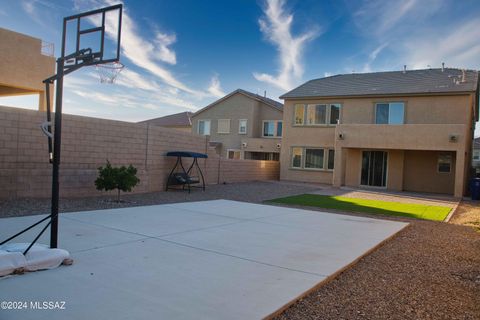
(198, 260)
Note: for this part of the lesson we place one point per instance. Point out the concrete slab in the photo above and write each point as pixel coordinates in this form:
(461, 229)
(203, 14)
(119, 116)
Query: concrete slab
(186, 261)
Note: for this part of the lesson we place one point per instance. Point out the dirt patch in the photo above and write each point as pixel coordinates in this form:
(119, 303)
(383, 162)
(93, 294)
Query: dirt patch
(467, 214)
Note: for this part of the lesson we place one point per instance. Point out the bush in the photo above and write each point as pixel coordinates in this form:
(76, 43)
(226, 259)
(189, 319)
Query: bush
(122, 178)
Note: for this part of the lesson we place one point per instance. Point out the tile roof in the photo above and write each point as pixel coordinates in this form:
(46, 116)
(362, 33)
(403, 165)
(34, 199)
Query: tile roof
(388, 83)
(274, 104)
(181, 119)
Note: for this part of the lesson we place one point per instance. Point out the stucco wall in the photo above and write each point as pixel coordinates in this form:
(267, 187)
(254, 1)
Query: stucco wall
(22, 66)
(236, 107)
(420, 173)
(88, 142)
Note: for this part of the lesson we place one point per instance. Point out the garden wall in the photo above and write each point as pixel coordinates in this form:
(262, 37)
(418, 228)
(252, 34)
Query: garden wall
(88, 142)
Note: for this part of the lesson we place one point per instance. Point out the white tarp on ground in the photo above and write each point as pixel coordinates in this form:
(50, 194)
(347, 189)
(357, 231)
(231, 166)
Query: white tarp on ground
(39, 257)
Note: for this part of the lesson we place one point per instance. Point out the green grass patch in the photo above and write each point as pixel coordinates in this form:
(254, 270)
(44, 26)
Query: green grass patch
(410, 210)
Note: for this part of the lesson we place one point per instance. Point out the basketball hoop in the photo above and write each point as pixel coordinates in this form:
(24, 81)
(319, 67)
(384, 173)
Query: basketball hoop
(108, 72)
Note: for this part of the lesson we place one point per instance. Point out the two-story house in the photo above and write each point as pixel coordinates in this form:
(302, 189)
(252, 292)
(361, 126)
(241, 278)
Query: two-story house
(405, 130)
(178, 121)
(242, 125)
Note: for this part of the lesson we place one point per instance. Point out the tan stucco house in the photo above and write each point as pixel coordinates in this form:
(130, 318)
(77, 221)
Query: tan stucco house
(178, 121)
(242, 125)
(24, 63)
(406, 130)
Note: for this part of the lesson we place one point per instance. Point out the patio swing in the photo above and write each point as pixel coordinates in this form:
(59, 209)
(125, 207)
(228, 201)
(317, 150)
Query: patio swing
(181, 177)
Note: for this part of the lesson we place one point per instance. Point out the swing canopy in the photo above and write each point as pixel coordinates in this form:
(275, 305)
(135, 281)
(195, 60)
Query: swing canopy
(186, 154)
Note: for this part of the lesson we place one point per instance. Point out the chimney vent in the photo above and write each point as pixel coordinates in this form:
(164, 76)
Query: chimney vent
(443, 66)
(404, 68)
(463, 75)
(265, 93)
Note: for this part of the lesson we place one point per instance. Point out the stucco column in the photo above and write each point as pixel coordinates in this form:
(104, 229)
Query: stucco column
(339, 167)
(459, 173)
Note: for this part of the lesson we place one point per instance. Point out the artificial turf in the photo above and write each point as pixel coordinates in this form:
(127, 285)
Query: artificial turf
(410, 210)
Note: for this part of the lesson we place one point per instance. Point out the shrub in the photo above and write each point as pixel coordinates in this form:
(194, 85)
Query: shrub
(119, 178)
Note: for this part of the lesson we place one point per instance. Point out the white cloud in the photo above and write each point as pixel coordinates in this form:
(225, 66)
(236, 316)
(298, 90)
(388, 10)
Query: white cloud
(215, 88)
(456, 45)
(142, 52)
(373, 56)
(276, 27)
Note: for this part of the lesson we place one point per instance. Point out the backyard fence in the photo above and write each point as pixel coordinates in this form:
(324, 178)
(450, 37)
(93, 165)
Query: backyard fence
(88, 142)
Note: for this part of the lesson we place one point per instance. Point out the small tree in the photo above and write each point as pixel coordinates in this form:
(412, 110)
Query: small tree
(111, 178)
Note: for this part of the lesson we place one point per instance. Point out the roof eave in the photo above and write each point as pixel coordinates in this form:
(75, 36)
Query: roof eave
(450, 93)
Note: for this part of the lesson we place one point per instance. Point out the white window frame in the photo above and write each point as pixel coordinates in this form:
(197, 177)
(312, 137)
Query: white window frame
(388, 122)
(209, 126)
(218, 126)
(234, 151)
(275, 127)
(450, 162)
(240, 126)
(303, 159)
(327, 116)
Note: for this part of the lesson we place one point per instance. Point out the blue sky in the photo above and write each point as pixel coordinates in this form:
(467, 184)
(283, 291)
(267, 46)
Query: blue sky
(182, 55)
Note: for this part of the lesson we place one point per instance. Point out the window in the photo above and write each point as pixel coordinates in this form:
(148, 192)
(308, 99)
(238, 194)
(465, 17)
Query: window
(314, 158)
(444, 164)
(297, 157)
(272, 128)
(317, 114)
(234, 154)
(331, 159)
(334, 113)
(389, 113)
(242, 126)
(476, 155)
(223, 126)
(299, 114)
(268, 128)
(204, 127)
(279, 128)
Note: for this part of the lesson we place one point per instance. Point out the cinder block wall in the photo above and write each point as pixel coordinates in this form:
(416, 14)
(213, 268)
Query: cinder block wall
(88, 142)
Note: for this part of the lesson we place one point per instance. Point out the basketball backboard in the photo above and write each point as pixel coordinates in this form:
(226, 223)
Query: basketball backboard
(92, 37)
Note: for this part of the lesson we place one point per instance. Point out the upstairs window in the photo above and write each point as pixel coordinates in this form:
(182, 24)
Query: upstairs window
(242, 126)
(389, 113)
(316, 114)
(272, 128)
(204, 127)
(223, 126)
(299, 114)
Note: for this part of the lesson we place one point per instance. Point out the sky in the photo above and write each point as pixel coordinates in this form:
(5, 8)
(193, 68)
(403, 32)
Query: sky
(182, 55)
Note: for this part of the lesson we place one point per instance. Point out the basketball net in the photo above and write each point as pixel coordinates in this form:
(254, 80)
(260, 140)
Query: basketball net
(108, 72)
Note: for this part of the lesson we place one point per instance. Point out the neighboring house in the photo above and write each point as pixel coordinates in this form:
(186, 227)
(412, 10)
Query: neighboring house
(406, 130)
(25, 62)
(242, 125)
(178, 121)
(476, 155)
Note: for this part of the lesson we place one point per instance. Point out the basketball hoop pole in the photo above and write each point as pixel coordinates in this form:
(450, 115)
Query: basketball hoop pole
(82, 57)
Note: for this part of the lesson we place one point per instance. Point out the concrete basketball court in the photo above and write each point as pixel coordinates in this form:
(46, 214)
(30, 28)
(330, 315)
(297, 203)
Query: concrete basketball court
(198, 260)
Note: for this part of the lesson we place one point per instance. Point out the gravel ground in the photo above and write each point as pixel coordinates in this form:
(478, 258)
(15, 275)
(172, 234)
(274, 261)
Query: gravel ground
(467, 214)
(250, 192)
(430, 270)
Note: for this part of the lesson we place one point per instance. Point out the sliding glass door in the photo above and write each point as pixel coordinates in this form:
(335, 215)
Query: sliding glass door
(374, 168)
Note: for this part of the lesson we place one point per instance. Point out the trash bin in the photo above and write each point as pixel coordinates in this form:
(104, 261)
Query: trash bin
(475, 188)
